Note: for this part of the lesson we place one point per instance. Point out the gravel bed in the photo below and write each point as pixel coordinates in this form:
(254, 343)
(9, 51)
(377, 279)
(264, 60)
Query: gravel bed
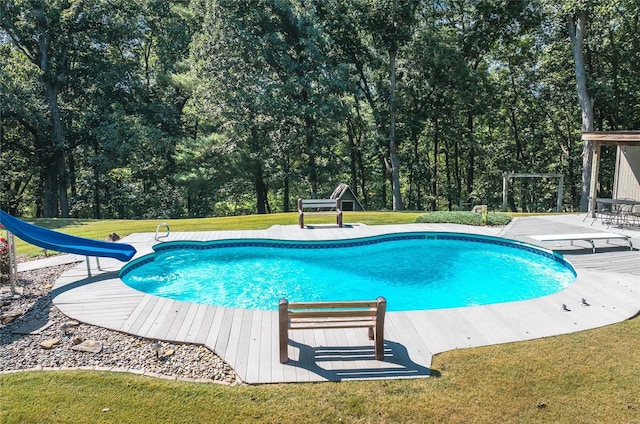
(52, 347)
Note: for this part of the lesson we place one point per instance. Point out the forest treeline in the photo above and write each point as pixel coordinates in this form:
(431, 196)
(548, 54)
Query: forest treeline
(155, 108)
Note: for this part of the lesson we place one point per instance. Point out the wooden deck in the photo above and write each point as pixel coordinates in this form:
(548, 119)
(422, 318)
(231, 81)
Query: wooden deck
(248, 339)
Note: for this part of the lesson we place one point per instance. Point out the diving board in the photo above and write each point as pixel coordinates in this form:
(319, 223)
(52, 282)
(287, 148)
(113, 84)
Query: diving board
(61, 242)
(590, 237)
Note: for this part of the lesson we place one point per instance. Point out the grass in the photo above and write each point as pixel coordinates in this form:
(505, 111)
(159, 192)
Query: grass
(100, 229)
(584, 377)
(590, 376)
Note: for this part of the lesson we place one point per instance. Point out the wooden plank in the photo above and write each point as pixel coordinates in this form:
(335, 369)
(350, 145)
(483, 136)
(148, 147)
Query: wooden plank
(532, 175)
(216, 327)
(163, 320)
(151, 307)
(416, 347)
(364, 304)
(187, 322)
(277, 369)
(244, 338)
(145, 328)
(318, 203)
(484, 320)
(267, 356)
(233, 341)
(331, 314)
(173, 319)
(296, 342)
(306, 355)
(330, 324)
(431, 328)
(137, 311)
(330, 338)
(289, 371)
(612, 136)
(254, 357)
(203, 333)
(375, 368)
(197, 323)
(221, 347)
(342, 339)
(399, 349)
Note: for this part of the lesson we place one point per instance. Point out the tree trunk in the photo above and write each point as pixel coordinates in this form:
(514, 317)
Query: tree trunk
(258, 180)
(415, 182)
(358, 184)
(455, 197)
(377, 119)
(309, 125)
(383, 181)
(286, 188)
(393, 144)
(472, 154)
(58, 146)
(49, 198)
(351, 135)
(261, 189)
(52, 86)
(447, 168)
(97, 211)
(577, 27)
(363, 191)
(436, 165)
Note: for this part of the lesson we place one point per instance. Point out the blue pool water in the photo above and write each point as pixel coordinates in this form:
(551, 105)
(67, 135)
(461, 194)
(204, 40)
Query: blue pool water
(412, 271)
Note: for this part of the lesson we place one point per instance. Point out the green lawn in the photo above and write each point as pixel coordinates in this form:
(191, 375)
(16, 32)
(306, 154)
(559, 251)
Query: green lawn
(588, 377)
(100, 229)
(592, 376)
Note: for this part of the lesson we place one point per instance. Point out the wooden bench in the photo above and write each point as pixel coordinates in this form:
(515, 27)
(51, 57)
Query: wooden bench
(318, 315)
(319, 207)
(590, 237)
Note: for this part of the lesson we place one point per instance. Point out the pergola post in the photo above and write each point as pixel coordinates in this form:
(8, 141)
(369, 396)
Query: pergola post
(595, 171)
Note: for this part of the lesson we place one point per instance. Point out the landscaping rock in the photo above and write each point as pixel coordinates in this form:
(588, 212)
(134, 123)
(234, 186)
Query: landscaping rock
(9, 317)
(90, 346)
(119, 350)
(49, 344)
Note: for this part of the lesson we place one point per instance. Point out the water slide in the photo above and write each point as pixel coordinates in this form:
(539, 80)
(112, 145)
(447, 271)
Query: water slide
(60, 242)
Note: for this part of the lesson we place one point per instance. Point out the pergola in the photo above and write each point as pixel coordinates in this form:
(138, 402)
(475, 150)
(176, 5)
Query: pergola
(627, 171)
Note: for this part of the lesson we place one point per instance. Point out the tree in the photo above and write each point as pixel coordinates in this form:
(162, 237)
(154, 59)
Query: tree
(577, 22)
(391, 24)
(48, 33)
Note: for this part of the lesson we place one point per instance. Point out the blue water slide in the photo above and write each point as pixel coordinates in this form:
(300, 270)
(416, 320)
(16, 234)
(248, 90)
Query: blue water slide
(60, 242)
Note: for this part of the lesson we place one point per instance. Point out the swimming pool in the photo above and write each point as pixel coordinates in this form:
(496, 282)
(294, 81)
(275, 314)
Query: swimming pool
(413, 271)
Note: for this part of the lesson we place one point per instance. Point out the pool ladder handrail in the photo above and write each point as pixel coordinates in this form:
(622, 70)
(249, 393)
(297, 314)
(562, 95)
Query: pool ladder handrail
(162, 224)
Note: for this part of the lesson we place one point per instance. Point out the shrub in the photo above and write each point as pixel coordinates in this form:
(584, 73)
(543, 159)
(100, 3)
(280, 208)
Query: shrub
(4, 257)
(465, 218)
